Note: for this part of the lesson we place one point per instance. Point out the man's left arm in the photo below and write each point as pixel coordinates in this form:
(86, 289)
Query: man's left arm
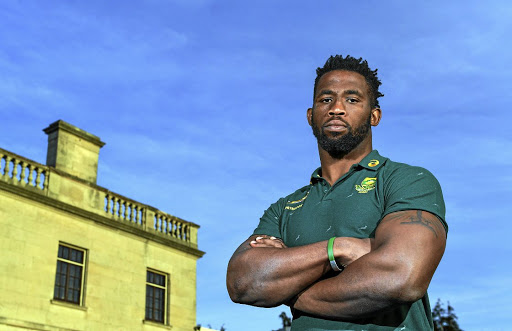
(407, 248)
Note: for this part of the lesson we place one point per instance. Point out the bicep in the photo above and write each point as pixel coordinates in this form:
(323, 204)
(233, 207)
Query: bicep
(414, 241)
(423, 224)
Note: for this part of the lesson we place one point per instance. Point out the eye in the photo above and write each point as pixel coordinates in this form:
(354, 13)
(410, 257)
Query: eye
(352, 100)
(326, 100)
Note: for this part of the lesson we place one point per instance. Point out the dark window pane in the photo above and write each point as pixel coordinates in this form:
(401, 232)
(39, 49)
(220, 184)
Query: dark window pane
(63, 267)
(74, 271)
(155, 297)
(59, 293)
(65, 253)
(68, 277)
(160, 280)
(62, 280)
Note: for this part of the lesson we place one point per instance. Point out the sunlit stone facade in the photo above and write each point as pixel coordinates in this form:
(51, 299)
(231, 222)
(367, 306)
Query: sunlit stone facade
(75, 256)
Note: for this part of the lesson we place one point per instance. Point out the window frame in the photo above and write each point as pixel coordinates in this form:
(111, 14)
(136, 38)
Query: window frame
(83, 265)
(165, 309)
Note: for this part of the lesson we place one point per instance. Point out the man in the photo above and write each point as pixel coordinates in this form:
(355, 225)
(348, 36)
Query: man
(357, 247)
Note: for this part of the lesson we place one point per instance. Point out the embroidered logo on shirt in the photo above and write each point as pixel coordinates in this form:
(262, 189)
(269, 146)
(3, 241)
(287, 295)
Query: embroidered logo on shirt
(373, 163)
(367, 184)
(292, 205)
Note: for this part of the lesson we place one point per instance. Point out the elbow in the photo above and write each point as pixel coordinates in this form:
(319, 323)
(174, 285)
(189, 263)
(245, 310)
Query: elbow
(237, 288)
(408, 290)
(410, 294)
(240, 289)
(237, 291)
(245, 293)
(237, 281)
(250, 292)
(236, 297)
(248, 285)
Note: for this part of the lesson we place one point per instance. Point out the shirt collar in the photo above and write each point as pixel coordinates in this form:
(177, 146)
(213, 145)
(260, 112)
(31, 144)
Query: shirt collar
(315, 177)
(372, 161)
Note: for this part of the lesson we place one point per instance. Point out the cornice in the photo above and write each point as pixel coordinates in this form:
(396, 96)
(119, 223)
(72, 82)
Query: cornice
(35, 195)
(60, 124)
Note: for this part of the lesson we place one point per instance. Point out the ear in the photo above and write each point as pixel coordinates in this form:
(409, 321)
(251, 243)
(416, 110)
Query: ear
(375, 117)
(310, 114)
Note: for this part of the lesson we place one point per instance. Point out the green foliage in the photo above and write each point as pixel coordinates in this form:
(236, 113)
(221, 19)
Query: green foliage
(287, 322)
(444, 319)
(198, 327)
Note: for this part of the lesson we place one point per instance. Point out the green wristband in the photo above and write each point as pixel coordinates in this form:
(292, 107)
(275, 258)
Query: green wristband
(330, 254)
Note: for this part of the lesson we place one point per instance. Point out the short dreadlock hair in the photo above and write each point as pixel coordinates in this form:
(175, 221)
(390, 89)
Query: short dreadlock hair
(349, 63)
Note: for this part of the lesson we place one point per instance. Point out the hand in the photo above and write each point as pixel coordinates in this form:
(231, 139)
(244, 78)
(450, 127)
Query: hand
(347, 250)
(267, 241)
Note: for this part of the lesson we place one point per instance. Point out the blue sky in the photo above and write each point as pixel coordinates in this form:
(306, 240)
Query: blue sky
(202, 105)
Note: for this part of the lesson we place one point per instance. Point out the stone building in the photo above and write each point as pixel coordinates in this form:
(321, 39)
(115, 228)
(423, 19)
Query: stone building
(76, 256)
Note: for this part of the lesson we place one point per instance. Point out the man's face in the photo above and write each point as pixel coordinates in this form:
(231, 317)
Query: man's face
(341, 115)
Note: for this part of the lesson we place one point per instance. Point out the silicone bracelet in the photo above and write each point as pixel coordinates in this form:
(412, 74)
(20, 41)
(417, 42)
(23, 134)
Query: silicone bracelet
(330, 254)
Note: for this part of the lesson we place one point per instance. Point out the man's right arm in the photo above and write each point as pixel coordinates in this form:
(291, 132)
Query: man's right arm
(264, 272)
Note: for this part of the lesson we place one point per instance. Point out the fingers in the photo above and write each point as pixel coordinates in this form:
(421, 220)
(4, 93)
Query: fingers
(267, 241)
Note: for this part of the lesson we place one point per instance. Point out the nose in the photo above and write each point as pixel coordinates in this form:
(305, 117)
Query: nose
(337, 109)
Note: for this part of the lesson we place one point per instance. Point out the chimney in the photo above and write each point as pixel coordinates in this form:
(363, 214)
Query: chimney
(73, 150)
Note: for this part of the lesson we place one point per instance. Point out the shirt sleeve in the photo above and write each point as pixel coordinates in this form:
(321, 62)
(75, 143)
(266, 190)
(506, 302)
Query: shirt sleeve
(269, 222)
(411, 187)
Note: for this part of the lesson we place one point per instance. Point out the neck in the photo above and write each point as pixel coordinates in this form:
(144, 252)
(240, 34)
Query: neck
(334, 168)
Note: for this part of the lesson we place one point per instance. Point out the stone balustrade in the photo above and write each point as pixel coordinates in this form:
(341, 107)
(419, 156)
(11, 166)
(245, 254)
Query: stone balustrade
(26, 174)
(20, 171)
(172, 226)
(148, 218)
(124, 209)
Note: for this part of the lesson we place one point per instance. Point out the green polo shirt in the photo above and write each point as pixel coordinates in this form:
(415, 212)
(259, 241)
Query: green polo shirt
(353, 207)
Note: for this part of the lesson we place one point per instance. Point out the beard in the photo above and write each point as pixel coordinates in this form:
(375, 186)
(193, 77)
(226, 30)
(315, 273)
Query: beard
(341, 144)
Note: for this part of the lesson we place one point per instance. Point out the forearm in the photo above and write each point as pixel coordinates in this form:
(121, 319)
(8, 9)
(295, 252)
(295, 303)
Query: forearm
(272, 276)
(363, 288)
(408, 247)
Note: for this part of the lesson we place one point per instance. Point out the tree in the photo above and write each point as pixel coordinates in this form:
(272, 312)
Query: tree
(444, 319)
(198, 327)
(287, 322)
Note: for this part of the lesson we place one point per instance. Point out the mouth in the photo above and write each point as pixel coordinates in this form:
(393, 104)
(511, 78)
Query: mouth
(335, 126)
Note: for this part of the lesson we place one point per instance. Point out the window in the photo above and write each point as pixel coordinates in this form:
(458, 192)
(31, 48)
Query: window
(156, 296)
(69, 278)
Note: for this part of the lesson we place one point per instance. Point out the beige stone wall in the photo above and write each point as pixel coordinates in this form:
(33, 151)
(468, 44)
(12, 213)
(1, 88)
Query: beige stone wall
(30, 232)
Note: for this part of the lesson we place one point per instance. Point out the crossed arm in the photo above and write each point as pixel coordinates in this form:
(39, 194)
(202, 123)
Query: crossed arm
(395, 267)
